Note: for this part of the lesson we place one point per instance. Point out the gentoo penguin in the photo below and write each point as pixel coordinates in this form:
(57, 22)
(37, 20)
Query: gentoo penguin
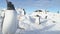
(10, 20)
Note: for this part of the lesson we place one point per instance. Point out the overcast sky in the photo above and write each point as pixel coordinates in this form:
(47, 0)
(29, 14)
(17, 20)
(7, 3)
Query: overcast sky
(32, 5)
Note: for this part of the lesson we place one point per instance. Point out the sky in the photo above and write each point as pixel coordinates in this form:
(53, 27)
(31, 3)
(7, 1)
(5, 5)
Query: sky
(32, 5)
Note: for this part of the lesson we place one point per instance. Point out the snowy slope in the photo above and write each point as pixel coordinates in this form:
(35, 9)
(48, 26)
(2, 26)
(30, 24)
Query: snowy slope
(30, 23)
(49, 25)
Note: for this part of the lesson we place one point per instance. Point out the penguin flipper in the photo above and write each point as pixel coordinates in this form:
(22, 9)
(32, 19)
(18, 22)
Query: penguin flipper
(2, 17)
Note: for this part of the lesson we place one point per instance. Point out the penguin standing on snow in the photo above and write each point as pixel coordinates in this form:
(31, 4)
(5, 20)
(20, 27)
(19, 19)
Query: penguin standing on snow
(10, 20)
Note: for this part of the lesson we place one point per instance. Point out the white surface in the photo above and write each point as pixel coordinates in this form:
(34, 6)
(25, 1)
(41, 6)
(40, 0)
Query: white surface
(10, 22)
(31, 26)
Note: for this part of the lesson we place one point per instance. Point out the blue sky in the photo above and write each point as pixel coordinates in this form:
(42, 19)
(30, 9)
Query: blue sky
(32, 5)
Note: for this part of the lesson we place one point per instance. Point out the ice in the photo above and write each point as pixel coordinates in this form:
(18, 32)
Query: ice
(30, 23)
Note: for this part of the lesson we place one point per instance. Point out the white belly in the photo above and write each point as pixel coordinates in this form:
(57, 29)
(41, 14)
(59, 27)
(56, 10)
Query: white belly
(10, 22)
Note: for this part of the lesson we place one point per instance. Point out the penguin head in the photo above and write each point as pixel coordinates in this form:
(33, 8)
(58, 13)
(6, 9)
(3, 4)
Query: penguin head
(10, 6)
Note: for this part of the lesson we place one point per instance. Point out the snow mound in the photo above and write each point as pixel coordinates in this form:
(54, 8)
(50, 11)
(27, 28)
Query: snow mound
(49, 23)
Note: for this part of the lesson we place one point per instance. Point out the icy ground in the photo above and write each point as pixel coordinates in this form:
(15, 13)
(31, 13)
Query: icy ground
(30, 23)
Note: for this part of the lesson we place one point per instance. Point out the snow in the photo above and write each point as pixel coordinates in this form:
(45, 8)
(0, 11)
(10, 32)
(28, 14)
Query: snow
(30, 23)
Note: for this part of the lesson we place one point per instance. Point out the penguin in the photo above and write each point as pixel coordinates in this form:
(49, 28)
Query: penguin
(10, 20)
